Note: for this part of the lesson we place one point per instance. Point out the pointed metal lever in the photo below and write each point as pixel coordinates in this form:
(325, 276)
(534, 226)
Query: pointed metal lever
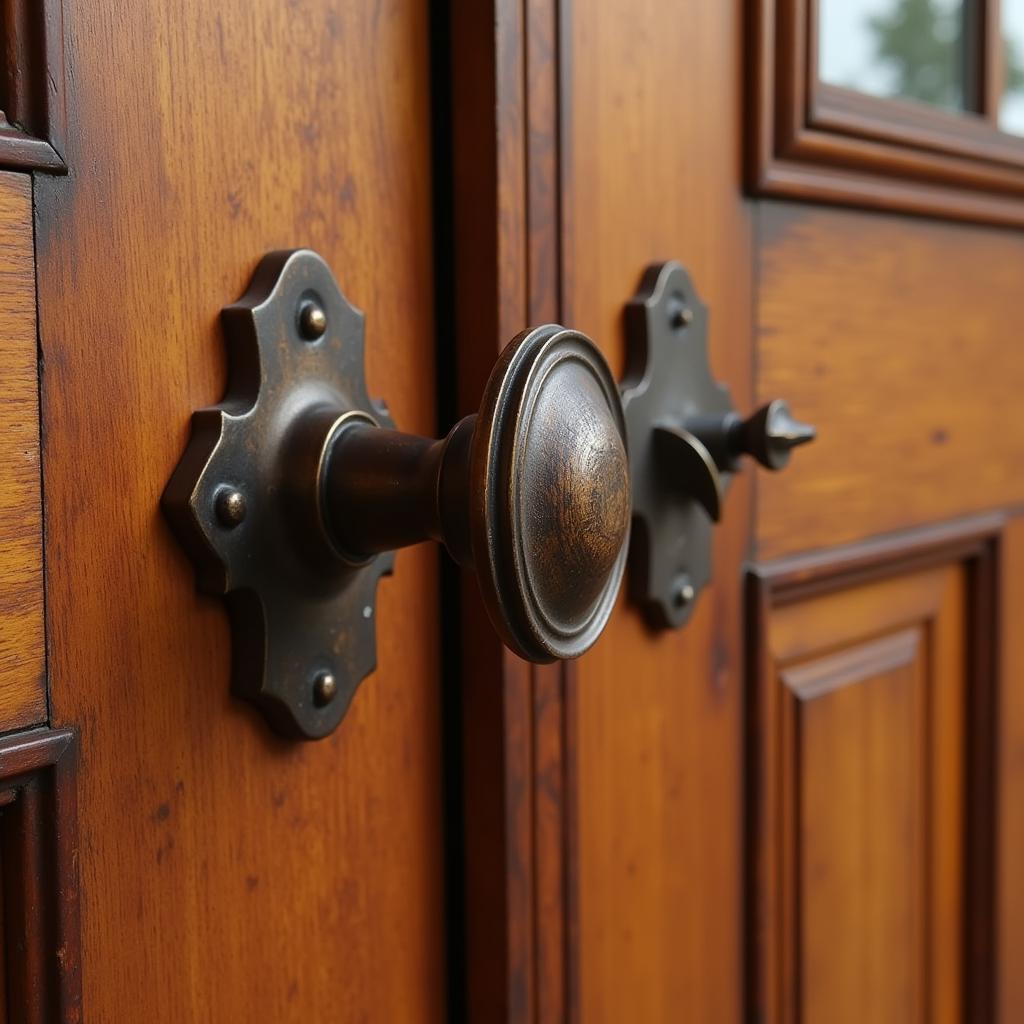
(771, 434)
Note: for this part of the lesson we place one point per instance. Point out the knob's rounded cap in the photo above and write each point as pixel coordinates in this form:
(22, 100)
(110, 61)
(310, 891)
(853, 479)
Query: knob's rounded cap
(550, 513)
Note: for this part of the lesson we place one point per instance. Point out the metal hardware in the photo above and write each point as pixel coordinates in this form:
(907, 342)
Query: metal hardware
(685, 442)
(295, 490)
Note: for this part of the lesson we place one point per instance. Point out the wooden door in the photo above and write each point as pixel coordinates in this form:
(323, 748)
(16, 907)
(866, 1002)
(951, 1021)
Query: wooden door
(804, 805)
(157, 151)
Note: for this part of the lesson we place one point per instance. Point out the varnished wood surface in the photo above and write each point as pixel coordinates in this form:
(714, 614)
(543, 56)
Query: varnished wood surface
(913, 606)
(651, 172)
(22, 652)
(861, 784)
(899, 340)
(227, 875)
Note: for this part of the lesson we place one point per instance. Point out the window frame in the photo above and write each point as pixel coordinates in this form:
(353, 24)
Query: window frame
(815, 140)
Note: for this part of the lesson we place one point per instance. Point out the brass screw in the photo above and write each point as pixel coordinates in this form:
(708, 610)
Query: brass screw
(325, 689)
(684, 593)
(683, 317)
(230, 507)
(312, 320)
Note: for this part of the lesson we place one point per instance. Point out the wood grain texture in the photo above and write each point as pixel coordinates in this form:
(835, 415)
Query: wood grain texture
(651, 172)
(906, 619)
(22, 645)
(896, 339)
(860, 747)
(874, 777)
(227, 875)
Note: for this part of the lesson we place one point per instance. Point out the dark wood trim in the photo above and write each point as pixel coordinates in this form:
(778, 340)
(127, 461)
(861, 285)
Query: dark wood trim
(816, 141)
(974, 543)
(507, 75)
(798, 577)
(982, 809)
(993, 70)
(906, 125)
(33, 85)
(39, 877)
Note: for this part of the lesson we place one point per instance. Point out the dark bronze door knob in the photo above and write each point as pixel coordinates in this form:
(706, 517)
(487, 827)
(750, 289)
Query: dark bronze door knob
(296, 489)
(532, 492)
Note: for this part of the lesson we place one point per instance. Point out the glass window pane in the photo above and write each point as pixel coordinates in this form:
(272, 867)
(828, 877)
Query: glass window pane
(1011, 110)
(911, 49)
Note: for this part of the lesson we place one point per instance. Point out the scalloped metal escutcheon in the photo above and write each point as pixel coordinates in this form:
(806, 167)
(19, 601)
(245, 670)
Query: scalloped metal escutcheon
(685, 443)
(244, 498)
(667, 383)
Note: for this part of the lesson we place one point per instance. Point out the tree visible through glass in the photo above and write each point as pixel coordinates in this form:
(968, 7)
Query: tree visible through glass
(910, 49)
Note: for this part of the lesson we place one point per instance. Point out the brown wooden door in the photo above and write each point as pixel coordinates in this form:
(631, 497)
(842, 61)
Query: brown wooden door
(225, 874)
(804, 805)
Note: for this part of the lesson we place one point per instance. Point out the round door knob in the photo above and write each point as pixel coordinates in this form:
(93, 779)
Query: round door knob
(532, 492)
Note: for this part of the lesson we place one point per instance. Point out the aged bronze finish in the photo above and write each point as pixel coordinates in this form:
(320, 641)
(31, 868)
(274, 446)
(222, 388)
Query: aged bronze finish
(295, 491)
(685, 442)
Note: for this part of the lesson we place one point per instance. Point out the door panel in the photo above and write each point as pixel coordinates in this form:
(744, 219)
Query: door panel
(804, 804)
(860, 784)
(895, 338)
(22, 650)
(228, 875)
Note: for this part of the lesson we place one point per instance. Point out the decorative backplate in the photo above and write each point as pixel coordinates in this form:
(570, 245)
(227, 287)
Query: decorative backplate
(668, 383)
(244, 500)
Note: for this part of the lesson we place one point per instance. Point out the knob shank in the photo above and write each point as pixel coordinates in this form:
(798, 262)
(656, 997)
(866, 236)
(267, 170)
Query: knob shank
(532, 492)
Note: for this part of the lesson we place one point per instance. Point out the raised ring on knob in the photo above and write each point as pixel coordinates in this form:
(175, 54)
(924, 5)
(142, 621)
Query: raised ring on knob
(551, 508)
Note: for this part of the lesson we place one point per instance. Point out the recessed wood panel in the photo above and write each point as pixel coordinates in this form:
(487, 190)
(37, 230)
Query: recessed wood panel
(32, 118)
(40, 970)
(898, 339)
(22, 655)
(859, 764)
(862, 738)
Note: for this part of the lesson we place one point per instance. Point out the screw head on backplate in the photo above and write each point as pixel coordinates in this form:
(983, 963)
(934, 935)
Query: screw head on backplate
(312, 320)
(230, 507)
(325, 688)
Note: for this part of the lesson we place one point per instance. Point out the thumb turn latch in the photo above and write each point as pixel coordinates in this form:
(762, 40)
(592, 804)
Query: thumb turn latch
(685, 442)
